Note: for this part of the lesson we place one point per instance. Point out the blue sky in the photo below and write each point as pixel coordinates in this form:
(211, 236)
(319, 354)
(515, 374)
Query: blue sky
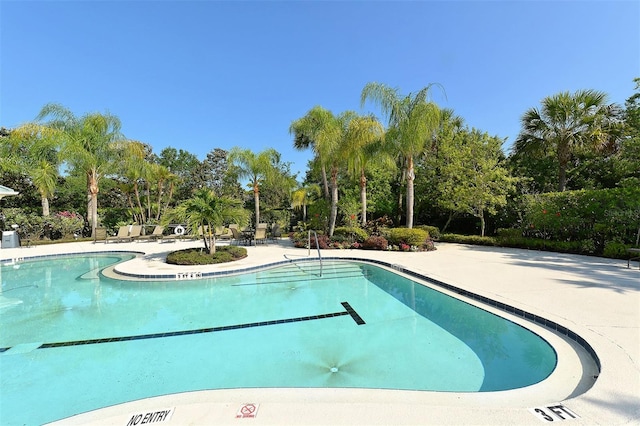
(199, 75)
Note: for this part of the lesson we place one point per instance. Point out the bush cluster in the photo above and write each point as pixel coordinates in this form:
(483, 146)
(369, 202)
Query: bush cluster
(33, 226)
(513, 238)
(411, 237)
(375, 242)
(403, 239)
(350, 234)
(199, 256)
(601, 217)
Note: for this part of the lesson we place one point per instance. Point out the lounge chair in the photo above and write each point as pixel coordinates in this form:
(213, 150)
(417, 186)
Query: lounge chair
(123, 233)
(134, 233)
(156, 234)
(223, 233)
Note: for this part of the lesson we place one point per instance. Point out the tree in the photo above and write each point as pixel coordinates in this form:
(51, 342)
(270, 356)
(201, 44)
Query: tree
(364, 145)
(186, 169)
(472, 178)
(206, 211)
(564, 123)
(90, 143)
(320, 130)
(304, 196)
(412, 120)
(34, 151)
(258, 168)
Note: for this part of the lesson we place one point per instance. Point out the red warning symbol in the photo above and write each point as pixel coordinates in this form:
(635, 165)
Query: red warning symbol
(247, 411)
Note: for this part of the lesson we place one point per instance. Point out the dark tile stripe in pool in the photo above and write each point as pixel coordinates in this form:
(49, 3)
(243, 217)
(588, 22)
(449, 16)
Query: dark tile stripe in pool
(348, 311)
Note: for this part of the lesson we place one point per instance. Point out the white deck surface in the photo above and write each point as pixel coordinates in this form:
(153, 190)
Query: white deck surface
(599, 299)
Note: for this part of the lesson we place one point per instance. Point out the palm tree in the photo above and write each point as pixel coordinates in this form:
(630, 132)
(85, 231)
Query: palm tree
(364, 145)
(412, 123)
(133, 168)
(161, 175)
(90, 143)
(564, 123)
(205, 210)
(35, 150)
(304, 196)
(257, 168)
(320, 130)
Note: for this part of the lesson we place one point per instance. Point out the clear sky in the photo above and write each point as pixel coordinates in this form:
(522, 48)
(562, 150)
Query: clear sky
(199, 75)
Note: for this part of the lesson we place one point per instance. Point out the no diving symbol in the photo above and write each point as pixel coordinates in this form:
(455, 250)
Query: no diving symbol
(247, 411)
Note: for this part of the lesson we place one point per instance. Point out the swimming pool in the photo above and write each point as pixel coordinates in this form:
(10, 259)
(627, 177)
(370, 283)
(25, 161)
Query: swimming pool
(73, 345)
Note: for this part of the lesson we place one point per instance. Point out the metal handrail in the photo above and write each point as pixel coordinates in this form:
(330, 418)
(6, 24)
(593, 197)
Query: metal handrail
(317, 247)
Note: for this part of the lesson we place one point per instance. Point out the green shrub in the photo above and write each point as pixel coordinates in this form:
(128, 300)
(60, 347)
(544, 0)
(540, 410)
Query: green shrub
(600, 216)
(434, 231)
(411, 237)
(469, 239)
(508, 233)
(616, 250)
(350, 233)
(199, 256)
(375, 242)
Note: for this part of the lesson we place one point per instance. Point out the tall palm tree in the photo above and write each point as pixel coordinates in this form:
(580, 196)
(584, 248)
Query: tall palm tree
(320, 130)
(364, 145)
(205, 209)
(564, 123)
(160, 175)
(257, 168)
(90, 143)
(413, 121)
(133, 168)
(35, 150)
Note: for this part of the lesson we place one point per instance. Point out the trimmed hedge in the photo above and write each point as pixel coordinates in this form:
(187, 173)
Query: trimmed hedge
(412, 237)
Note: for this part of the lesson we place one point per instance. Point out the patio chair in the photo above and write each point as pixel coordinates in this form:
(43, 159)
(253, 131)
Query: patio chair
(123, 233)
(223, 233)
(134, 233)
(156, 234)
(276, 232)
(100, 235)
(238, 236)
(260, 235)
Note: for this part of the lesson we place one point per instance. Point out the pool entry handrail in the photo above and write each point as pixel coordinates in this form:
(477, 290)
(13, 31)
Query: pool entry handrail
(317, 247)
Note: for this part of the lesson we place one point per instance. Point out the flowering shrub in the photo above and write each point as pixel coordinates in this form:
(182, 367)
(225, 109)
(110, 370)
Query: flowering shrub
(33, 226)
(66, 224)
(375, 243)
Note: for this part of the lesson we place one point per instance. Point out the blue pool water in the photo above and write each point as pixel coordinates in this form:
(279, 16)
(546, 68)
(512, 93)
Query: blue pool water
(73, 340)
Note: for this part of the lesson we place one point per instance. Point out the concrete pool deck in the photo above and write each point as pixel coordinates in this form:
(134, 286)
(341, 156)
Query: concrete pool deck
(598, 299)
